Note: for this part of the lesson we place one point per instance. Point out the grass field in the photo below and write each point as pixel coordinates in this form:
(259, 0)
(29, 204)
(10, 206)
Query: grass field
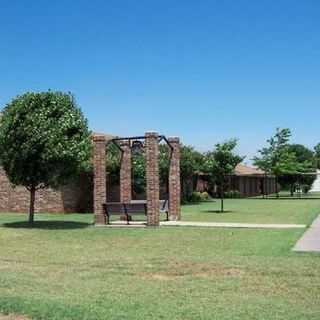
(255, 211)
(66, 269)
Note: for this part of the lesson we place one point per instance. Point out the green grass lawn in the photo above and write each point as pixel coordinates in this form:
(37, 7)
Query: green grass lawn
(255, 211)
(66, 269)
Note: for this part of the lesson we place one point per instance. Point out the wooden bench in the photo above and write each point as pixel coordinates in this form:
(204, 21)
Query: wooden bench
(134, 207)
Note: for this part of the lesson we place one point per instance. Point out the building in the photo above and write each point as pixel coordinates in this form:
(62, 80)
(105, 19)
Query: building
(245, 182)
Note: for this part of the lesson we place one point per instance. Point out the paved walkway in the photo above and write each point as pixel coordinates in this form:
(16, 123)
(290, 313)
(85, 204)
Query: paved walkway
(231, 225)
(310, 241)
(210, 225)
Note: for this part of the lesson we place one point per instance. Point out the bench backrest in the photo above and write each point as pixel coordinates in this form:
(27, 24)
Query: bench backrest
(136, 207)
(115, 207)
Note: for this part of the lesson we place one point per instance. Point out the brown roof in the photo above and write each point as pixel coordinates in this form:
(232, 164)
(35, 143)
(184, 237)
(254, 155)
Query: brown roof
(244, 170)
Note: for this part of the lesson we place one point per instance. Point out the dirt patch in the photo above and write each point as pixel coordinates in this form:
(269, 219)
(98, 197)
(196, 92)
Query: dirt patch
(12, 317)
(197, 270)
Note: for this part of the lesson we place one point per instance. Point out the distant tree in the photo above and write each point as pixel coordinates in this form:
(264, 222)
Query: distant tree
(305, 168)
(220, 163)
(44, 141)
(113, 162)
(190, 165)
(317, 156)
(285, 161)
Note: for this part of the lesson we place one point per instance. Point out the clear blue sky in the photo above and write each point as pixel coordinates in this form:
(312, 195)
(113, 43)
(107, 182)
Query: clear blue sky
(204, 70)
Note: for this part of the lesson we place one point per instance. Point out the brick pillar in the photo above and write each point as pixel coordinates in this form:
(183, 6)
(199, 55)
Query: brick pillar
(174, 181)
(152, 173)
(125, 173)
(99, 176)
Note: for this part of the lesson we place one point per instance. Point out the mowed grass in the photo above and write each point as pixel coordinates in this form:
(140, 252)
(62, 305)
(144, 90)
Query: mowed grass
(65, 268)
(295, 211)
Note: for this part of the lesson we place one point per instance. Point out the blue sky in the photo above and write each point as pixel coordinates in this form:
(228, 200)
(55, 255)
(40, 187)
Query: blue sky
(203, 70)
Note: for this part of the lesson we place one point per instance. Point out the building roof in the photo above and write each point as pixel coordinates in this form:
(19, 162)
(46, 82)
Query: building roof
(244, 170)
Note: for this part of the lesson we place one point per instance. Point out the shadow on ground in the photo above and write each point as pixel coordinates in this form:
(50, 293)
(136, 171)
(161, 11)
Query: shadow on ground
(217, 211)
(48, 225)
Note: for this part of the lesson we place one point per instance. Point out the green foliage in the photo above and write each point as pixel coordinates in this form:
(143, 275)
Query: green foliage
(44, 140)
(291, 164)
(232, 194)
(190, 164)
(220, 163)
(276, 157)
(195, 197)
(204, 196)
(317, 156)
(138, 173)
(113, 159)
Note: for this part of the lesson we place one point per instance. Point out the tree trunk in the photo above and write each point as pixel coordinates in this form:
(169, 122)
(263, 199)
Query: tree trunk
(222, 198)
(292, 190)
(31, 207)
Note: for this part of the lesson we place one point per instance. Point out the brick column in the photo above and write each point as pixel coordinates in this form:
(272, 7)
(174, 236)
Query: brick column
(152, 174)
(99, 176)
(125, 173)
(174, 181)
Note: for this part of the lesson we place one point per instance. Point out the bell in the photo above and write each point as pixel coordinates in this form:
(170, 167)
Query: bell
(136, 147)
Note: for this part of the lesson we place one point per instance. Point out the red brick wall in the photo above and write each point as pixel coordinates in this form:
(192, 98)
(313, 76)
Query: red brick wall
(73, 197)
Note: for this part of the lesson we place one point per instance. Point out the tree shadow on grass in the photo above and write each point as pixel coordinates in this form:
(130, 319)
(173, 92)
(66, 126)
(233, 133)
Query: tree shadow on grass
(217, 211)
(47, 225)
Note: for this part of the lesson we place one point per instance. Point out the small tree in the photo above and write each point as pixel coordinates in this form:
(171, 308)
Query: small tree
(220, 163)
(44, 141)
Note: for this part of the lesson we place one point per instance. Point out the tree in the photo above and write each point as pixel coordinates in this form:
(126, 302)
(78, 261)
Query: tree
(317, 156)
(276, 158)
(304, 169)
(44, 141)
(220, 163)
(190, 164)
(285, 161)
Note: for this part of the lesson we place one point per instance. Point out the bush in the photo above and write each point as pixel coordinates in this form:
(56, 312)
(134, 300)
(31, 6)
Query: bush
(232, 194)
(195, 197)
(305, 188)
(204, 196)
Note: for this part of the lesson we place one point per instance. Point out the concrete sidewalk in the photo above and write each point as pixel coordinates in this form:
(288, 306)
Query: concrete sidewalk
(209, 225)
(310, 241)
(231, 225)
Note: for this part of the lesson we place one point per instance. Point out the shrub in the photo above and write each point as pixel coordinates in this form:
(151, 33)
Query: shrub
(204, 196)
(195, 197)
(232, 194)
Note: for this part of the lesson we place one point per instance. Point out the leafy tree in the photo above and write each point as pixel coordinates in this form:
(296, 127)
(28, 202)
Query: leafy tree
(285, 161)
(44, 141)
(113, 162)
(220, 163)
(276, 158)
(190, 164)
(139, 172)
(303, 169)
(317, 156)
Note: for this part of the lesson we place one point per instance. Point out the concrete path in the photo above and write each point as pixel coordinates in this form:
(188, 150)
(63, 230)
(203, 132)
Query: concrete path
(209, 225)
(310, 241)
(231, 225)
